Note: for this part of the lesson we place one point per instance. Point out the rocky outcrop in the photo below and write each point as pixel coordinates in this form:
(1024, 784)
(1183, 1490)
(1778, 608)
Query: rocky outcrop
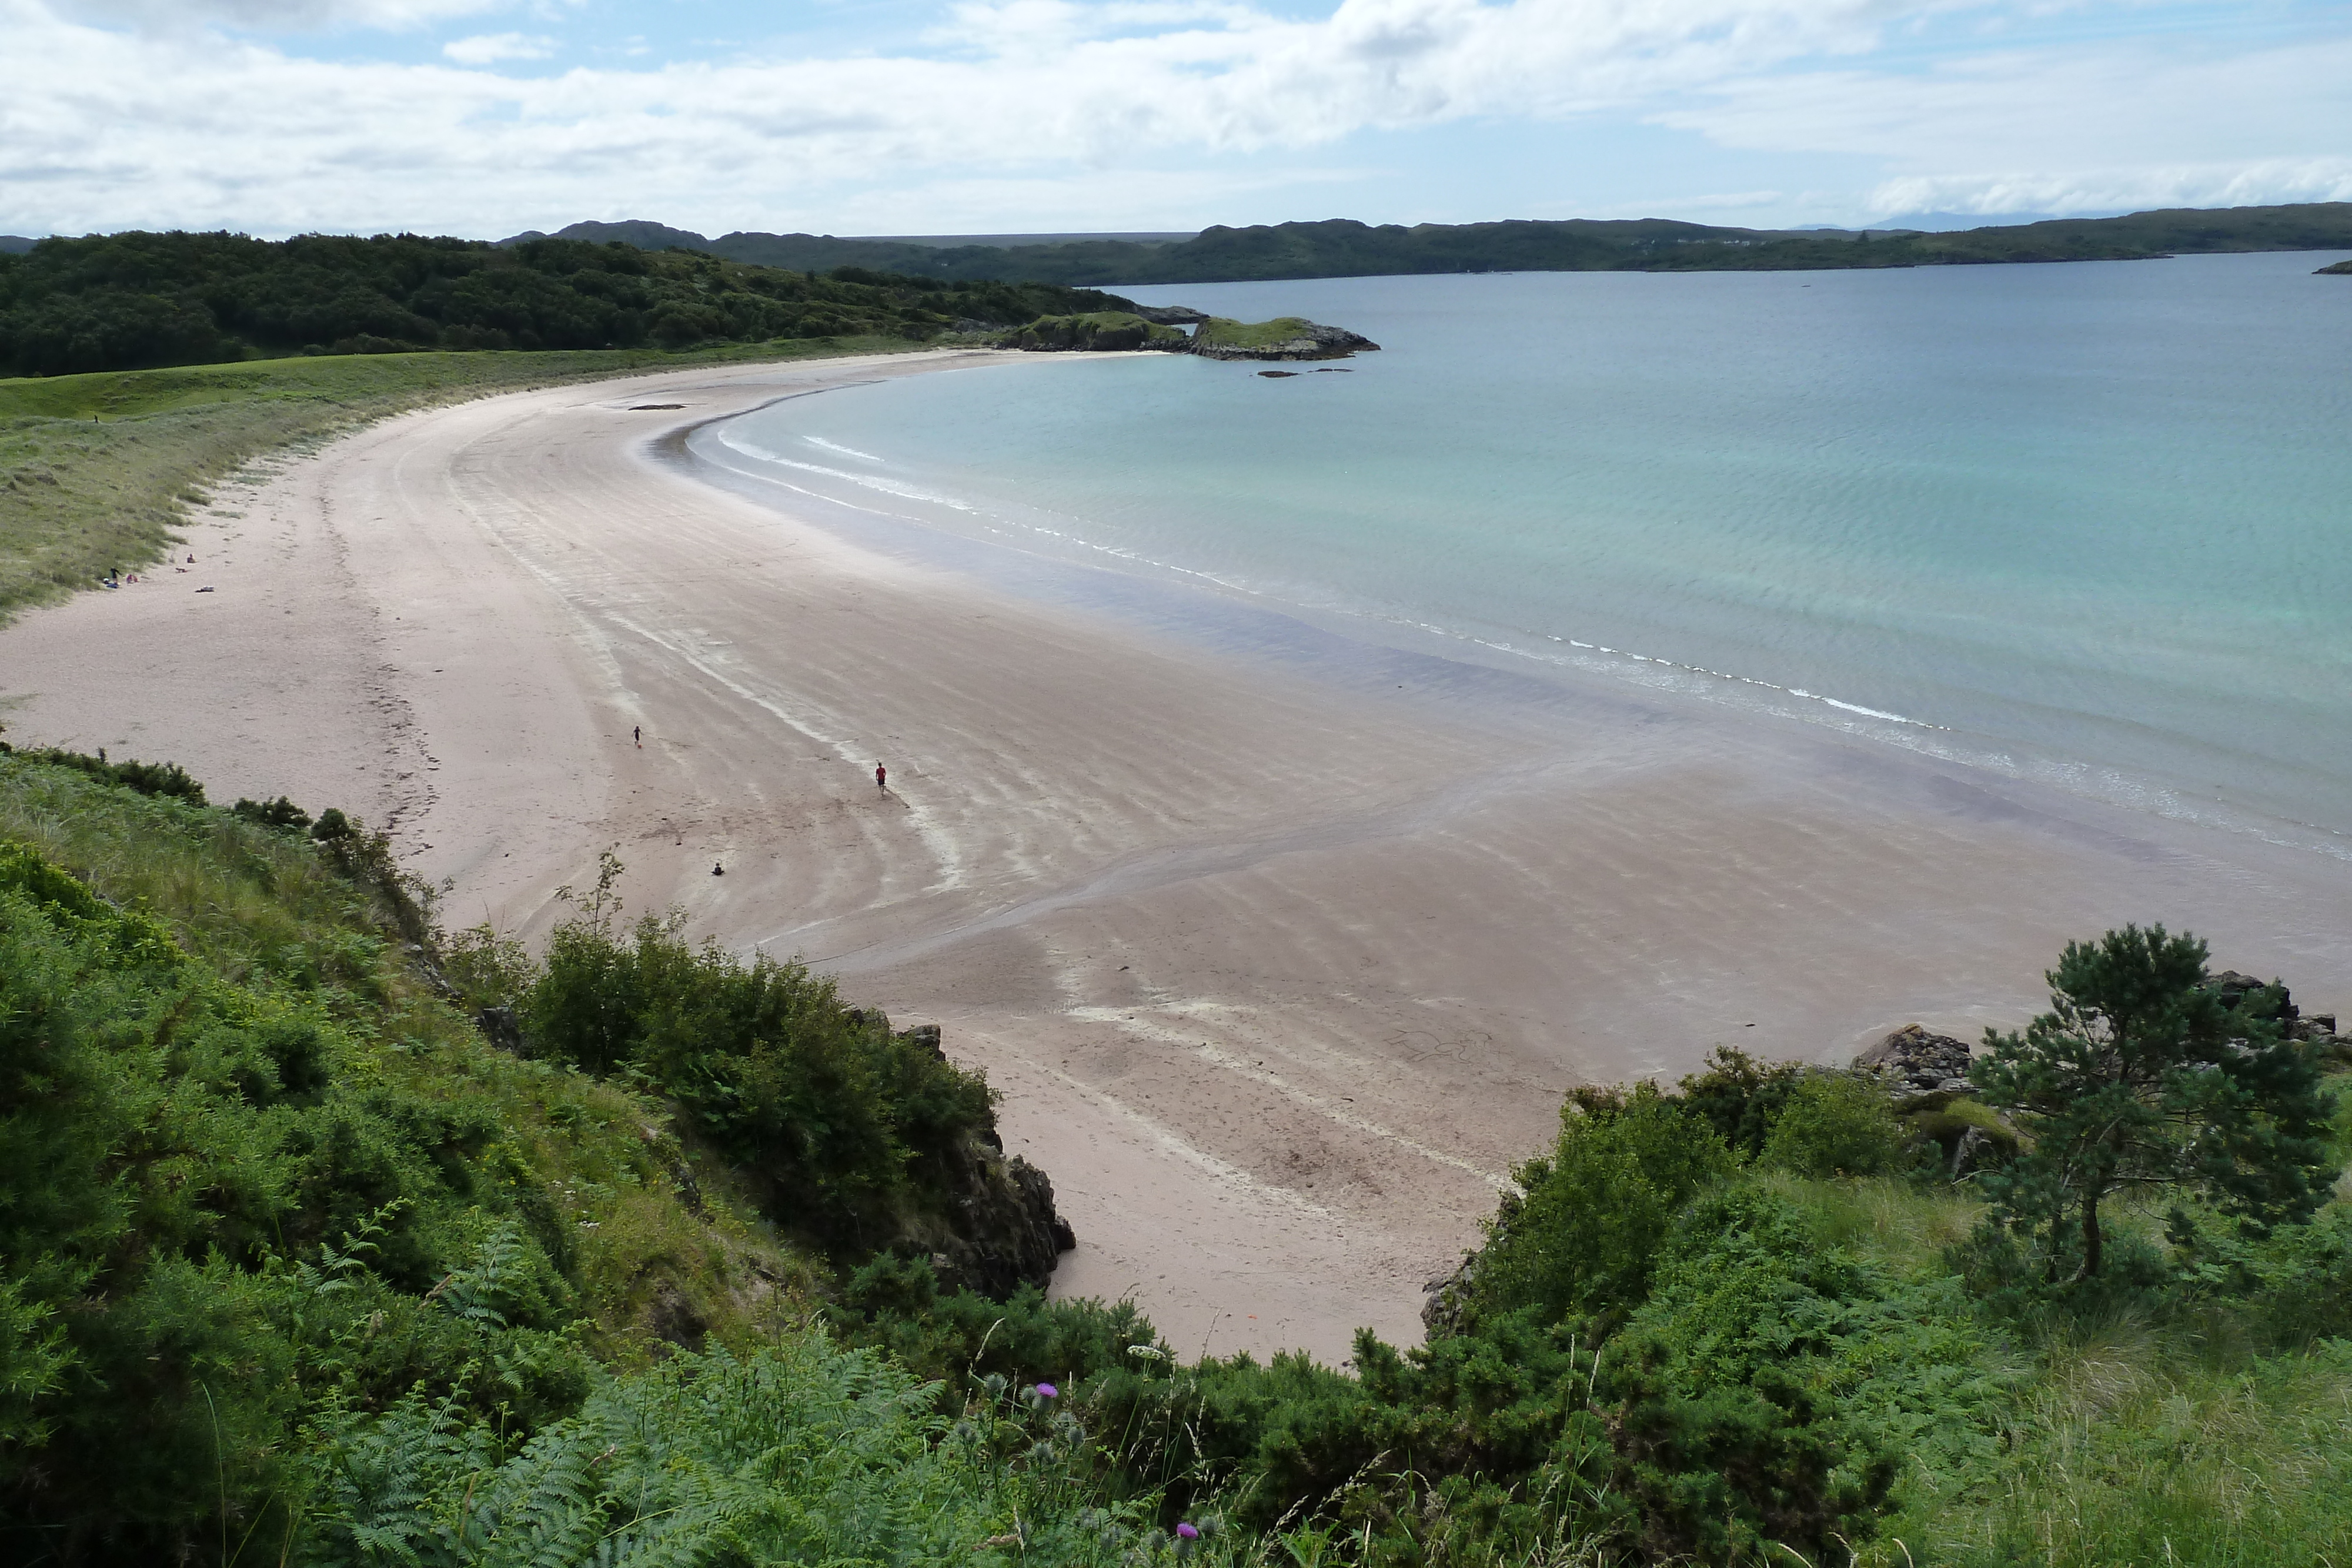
(1448, 1296)
(1928, 1075)
(1286, 338)
(2341, 269)
(1912, 1059)
(2271, 1000)
(1213, 337)
(1000, 1229)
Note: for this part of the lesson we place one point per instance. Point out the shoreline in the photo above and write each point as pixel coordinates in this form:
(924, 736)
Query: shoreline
(1354, 645)
(1278, 974)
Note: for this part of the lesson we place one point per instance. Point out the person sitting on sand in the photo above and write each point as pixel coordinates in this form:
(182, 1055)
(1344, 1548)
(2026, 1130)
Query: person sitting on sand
(718, 871)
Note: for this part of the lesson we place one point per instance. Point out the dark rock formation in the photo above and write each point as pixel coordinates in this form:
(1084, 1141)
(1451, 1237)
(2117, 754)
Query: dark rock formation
(2271, 1000)
(1214, 338)
(1913, 1059)
(1000, 1229)
(1449, 1298)
(500, 1027)
(1303, 341)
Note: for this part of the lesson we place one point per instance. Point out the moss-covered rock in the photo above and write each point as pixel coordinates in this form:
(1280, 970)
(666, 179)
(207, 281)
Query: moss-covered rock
(1283, 337)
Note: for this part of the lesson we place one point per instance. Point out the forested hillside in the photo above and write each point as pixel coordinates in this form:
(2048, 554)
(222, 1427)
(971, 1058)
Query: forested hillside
(133, 300)
(1341, 247)
(330, 1237)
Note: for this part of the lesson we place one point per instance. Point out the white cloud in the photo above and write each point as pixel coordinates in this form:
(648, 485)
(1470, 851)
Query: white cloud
(2118, 104)
(2117, 124)
(491, 48)
(1013, 99)
(274, 16)
(2121, 190)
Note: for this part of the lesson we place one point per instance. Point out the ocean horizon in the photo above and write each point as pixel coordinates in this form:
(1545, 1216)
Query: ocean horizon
(2084, 523)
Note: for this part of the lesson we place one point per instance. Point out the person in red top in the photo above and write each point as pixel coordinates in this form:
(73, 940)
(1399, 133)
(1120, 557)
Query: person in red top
(881, 777)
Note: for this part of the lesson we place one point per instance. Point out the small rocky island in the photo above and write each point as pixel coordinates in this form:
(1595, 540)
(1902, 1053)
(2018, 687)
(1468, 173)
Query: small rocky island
(1162, 327)
(2341, 269)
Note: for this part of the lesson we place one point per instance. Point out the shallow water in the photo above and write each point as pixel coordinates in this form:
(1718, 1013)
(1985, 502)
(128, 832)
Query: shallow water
(2090, 523)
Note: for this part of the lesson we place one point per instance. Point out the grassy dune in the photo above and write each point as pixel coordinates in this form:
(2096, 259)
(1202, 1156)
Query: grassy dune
(96, 471)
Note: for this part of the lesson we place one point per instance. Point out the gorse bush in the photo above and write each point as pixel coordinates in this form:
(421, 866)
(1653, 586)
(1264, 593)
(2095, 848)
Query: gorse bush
(147, 777)
(1584, 1234)
(840, 1126)
(1837, 1124)
(1740, 1097)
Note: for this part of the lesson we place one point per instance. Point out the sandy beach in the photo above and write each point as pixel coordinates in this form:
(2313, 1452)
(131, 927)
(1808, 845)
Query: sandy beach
(1280, 963)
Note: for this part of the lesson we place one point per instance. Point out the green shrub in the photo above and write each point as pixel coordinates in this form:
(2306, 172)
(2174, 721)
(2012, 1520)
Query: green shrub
(1772, 1385)
(252, 1176)
(167, 778)
(1836, 1123)
(801, 1453)
(1594, 1213)
(1741, 1097)
(894, 1304)
(278, 813)
(839, 1125)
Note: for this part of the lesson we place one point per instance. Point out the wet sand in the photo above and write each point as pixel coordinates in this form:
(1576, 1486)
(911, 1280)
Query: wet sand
(1280, 959)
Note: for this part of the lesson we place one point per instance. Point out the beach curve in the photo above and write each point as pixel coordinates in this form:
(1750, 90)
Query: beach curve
(1277, 976)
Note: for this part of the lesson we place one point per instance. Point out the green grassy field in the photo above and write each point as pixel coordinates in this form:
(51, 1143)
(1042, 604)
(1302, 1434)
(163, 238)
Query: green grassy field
(96, 471)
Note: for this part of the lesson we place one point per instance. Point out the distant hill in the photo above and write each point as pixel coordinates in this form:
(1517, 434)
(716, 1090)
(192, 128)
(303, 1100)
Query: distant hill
(1005, 242)
(1944, 223)
(1341, 247)
(953, 257)
(131, 301)
(16, 245)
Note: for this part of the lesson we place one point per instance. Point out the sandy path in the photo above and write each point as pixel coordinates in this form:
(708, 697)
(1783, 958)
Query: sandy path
(1278, 972)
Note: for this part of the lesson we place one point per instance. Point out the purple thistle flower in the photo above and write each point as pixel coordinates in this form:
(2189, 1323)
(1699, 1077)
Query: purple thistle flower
(1047, 1390)
(1188, 1531)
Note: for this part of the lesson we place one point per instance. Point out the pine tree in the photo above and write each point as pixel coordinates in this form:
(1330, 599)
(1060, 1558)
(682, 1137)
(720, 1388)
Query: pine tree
(2142, 1077)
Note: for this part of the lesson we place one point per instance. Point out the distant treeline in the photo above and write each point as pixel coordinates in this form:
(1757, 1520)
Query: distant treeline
(1342, 248)
(132, 301)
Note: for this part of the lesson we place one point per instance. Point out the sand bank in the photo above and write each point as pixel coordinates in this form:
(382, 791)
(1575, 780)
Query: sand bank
(1278, 964)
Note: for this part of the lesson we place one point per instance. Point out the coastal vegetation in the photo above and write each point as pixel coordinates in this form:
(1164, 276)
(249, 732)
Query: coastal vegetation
(330, 1237)
(1094, 330)
(97, 471)
(1340, 247)
(249, 347)
(130, 301)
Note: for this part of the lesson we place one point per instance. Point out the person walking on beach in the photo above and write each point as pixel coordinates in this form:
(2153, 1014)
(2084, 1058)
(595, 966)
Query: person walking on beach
(881, 777)
(637, 733)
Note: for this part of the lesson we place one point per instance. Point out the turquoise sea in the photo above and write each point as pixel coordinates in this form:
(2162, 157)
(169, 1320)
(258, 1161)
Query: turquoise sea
(2088, 523)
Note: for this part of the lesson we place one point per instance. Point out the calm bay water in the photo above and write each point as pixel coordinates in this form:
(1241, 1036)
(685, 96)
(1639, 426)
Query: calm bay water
(2091, 523)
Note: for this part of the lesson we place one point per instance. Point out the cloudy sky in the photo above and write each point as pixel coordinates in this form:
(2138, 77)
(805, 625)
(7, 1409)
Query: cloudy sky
(484, 117)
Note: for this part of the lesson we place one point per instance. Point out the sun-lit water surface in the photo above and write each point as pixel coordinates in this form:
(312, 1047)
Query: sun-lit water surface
(2088, 521)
